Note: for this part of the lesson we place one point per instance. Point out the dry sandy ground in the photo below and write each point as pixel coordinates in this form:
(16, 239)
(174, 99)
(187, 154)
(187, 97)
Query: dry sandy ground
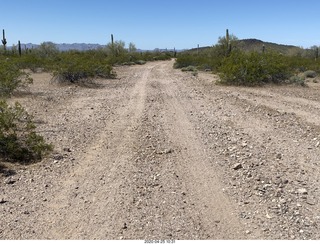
(161, 154)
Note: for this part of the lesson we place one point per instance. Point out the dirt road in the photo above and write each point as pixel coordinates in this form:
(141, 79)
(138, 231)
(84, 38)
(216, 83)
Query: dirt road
(161, 154)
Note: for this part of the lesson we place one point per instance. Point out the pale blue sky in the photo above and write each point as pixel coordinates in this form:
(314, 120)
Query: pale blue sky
(160, 24)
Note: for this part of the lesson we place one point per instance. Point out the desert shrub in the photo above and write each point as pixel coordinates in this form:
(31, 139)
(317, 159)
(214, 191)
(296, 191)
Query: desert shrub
(310, 74)
(11, 77)
(80, 68)
(208, 59)
(140, 62)
(18, 139)
(298, 80)
(162, 56)
(252, 69)
(189, 68)
(34, 62)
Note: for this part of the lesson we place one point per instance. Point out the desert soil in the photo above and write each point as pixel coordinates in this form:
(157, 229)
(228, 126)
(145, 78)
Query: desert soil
(162, 154)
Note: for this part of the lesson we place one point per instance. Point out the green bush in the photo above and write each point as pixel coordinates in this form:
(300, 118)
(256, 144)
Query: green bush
(80, 68)
(298, 80)
(140, 62)
(11, 77)
(33, 62)
(253, 69)
(189, 68)
(310, 74)
(18, 139)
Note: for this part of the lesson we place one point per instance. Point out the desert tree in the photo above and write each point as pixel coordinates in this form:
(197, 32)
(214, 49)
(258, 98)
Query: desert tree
(132, 48)
(48, 49)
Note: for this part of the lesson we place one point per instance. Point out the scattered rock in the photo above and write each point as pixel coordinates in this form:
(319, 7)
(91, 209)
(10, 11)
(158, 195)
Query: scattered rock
(2, 201)
(10, 182)
(302, 191)
(237, 166)
(57, 157)
(167, 151)
(125, 226)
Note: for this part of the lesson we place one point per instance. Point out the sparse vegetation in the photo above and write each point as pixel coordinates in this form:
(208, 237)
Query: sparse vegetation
(252, 62)
(80, 68)
(310, 74)
(298, 80)
(18, 139)
(252, 69)
(189, 68)
(11, 77)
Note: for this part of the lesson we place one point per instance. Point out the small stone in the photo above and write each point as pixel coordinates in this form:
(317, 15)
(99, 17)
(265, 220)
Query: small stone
(311, 202)
(268, 216)
(2, 201)
(167, 151)
(237, 166)
(125, 226)
(282, 201)
(10, 182)
(303, 191)
(57, 157)
(279, 156)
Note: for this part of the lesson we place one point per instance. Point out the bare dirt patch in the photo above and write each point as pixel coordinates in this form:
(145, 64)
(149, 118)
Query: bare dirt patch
(161, 154)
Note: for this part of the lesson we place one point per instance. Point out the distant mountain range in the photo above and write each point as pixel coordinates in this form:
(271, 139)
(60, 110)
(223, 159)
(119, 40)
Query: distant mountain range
(66, 46)
(79, 47)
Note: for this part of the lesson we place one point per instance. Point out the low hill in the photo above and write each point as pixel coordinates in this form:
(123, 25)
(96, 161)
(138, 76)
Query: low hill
(257, 45)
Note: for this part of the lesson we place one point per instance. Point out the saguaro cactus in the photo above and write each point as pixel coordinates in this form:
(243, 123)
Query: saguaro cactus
(112, 45)
(4, 40)
(228, 42)
(19, 48)
(227, 36)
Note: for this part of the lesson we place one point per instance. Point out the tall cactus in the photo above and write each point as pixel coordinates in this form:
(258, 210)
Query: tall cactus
(228, 42)
(227, 37)
(112, 45)
(4, 40)
(19, 48)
